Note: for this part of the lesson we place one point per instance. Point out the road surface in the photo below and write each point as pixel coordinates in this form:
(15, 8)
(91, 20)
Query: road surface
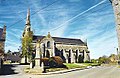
(95, 72)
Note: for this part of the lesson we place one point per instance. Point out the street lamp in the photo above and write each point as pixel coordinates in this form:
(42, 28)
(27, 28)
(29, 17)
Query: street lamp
(118, 59)
(118, 56)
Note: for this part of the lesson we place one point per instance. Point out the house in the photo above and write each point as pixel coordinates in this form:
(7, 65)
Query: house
(2, 40)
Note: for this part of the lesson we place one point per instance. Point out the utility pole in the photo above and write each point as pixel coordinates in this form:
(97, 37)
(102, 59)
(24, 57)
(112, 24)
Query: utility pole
(116, 8)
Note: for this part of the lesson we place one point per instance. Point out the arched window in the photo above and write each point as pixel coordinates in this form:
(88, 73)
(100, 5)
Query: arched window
(48, 44)
(43, 46)
(28, 29)
(47, 54)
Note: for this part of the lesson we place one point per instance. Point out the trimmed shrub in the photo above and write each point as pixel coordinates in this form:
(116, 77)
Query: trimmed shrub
(45, 61)
(52, 62)
(56, 61)
(87, 61)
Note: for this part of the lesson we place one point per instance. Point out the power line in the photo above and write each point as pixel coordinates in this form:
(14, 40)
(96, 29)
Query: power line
(94, 11)
(33, 13)
(78, 15)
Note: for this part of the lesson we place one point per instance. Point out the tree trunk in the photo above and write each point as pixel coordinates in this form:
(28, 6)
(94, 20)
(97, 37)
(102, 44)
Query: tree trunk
(25, 59)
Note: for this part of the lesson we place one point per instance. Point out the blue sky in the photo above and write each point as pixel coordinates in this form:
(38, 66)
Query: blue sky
(84, 19)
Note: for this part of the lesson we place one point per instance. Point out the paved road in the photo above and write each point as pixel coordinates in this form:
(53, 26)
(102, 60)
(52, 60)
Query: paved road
(96, 72)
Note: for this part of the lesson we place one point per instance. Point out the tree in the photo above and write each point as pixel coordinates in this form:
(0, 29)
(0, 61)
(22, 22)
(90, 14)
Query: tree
(9, 52)
(94, 60)
(27, 47)
(113, 58)
(104, 59)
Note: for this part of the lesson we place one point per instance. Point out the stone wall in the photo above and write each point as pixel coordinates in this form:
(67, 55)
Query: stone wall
(72, 53)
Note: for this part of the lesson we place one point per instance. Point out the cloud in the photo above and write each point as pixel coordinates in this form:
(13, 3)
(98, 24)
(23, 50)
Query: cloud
(50, 20)
(19, 31)
(41, 16)
(59, 32)
(8, 17)
(64, 19)
(74, 0)
(104, 45)
(71, 19)
(12, 45)
(2, 23)
(13, 37)
(99, 30)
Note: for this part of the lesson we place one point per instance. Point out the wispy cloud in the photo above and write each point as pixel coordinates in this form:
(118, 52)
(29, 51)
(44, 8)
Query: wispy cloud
(42, 20)
(74, 0)
(69, 18)
(12, 45)
(100, 32)
(104, 45)
(61, 25)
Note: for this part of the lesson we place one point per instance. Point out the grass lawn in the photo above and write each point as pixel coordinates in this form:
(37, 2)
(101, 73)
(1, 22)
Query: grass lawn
(68, 65)
(90, 64)
(73, 65)
(80, 65)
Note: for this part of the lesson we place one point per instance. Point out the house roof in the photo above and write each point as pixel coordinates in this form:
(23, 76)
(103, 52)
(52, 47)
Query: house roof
(61, 40)
(12, 57)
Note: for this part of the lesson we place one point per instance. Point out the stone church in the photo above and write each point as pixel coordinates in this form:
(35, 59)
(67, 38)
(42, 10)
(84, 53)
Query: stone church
(69, 49)
(2, 40)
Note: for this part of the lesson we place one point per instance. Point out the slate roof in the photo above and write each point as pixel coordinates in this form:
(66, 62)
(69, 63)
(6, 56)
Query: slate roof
(1, 31)
(61, 40)
(12, 57)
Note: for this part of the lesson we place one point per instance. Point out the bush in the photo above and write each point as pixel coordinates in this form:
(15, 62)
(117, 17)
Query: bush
(45, 61)
(87, 61)
(55, 61)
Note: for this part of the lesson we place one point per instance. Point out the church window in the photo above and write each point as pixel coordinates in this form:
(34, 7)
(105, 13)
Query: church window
(48, 44)
(28, 29)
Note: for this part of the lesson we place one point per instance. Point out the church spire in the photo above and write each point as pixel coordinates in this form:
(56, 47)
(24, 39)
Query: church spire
(27, 29)
(28, 17)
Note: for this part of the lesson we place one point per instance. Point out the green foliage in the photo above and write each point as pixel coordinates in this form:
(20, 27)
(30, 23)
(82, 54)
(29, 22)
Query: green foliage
(27, 46)
(90, 64)
(104, 59)
(72, 65)
(94, 60)
(112, 59)
(87, 61)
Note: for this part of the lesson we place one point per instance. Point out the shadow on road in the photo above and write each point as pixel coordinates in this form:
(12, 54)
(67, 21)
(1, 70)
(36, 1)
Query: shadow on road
(8, 70)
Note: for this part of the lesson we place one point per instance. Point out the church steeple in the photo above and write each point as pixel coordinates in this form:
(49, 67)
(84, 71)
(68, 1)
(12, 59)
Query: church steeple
(27, 29)
(28, 17)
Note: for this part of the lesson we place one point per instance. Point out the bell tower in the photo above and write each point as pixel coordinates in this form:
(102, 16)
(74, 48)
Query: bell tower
(27, 37)
(27, 30)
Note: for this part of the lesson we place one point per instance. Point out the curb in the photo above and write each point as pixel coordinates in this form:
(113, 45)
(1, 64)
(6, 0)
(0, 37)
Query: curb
(64, 71)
